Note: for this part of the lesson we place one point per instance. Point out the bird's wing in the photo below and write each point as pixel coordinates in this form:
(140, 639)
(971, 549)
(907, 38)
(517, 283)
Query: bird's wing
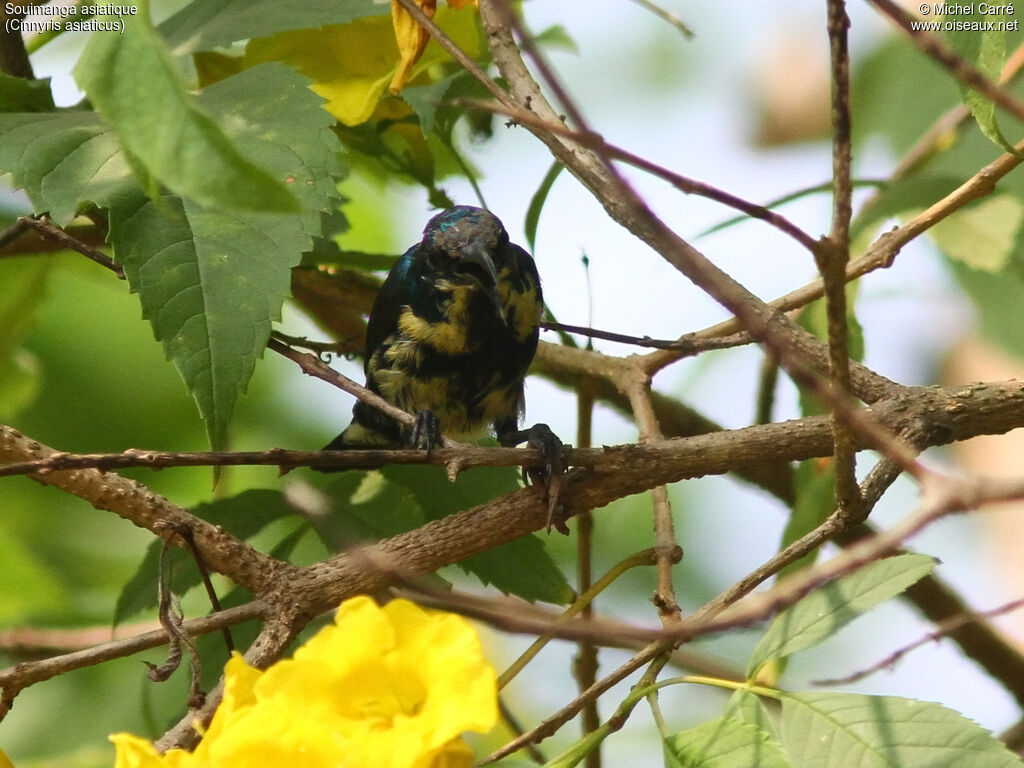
(395, 293)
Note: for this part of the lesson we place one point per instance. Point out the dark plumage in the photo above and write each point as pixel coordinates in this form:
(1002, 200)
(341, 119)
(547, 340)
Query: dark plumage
(450, 337)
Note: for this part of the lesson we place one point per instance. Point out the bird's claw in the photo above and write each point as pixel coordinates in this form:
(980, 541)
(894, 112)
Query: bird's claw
(550, 477)
(426, 432)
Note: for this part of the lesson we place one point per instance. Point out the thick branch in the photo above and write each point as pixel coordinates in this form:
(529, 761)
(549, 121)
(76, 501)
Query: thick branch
(133, 501)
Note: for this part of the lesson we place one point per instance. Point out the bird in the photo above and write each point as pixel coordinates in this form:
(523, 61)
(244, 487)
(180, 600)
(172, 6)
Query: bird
(449, 339)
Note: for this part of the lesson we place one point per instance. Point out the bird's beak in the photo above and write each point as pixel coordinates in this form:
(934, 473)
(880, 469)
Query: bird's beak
(489, 280)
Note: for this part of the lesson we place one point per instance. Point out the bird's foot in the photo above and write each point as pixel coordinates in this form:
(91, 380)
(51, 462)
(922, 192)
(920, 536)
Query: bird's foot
(426, 432)
(550, 476)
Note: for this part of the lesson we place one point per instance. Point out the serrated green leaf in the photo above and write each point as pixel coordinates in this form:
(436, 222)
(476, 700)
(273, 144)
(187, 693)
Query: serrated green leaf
(65, 160)
(725, 743)
(829, 608)
(847, 729)
(133, 83)
(537, 203)
(270, 114)
(986, 50)
(211, 282)
(205, 24)
(243, 516)
(20, 95)
(984, 235)
(521, 567)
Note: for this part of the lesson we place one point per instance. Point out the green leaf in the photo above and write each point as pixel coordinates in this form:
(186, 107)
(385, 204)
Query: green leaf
(847, 729)
(20, 95)
(984, 235)
(815, 501)
(725, 743)
(997, 296)
(269, 112)
(814, 318)
(64, 161)
(905, 195)
(537, 203)
(426, 101)
(367, 508)
(521, 567)
(205, 24)
(747, 708)
(327, 252)
(986, 50)
(829, 608)
(211, 282)
(556, 37)
(133, 83)
(778, 202)
(243, 516)
(889, 97)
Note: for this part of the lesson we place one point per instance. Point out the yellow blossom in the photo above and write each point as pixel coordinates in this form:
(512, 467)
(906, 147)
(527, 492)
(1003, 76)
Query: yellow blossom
(413, 38)
(391, 687)
(353, 65)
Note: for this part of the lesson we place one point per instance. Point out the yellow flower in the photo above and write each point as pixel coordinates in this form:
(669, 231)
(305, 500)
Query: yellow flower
(390, 687)
(412, 38)
(354, 65)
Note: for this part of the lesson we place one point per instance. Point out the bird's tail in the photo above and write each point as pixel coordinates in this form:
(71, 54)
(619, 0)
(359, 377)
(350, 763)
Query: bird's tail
(357, 437)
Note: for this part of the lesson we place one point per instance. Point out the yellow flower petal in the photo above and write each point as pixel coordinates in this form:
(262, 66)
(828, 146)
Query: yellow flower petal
(350, 64)
(133, 752)
(411, 38)
(455, 754)
(391, 687)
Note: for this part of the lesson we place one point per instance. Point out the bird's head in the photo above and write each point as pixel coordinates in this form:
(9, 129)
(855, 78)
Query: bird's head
(463, 244)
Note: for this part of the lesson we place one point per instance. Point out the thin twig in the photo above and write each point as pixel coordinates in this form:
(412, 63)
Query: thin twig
(963, 71)
(585, 665)
(834, 254)
(623, 205)
(44, 227)
(666, 15)
(944, 496)
(942, 630)
(684, 184)
(30, 672)
(685, 347)
(880, 254)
